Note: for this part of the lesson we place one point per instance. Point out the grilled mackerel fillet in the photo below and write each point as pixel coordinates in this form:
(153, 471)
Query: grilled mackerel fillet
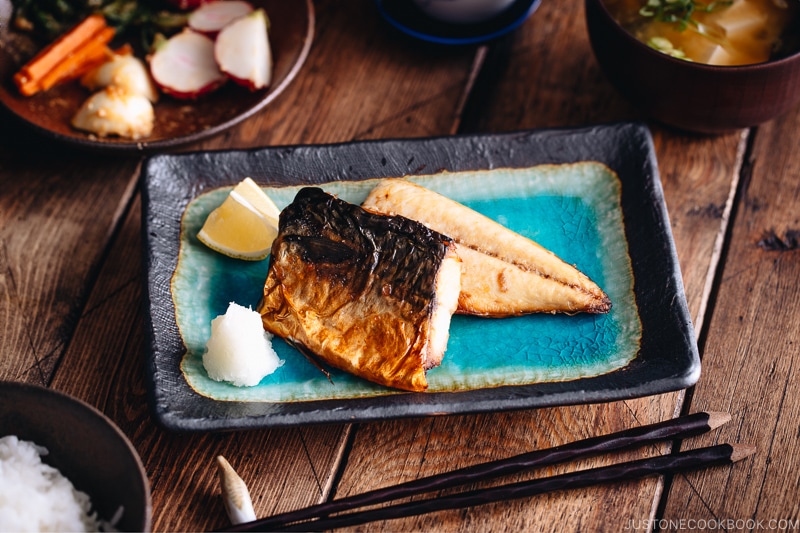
(366, 293)
(502, 272)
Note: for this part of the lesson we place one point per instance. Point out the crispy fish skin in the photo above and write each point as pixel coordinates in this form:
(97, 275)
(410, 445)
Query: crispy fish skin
(503, 273)
(366, 293)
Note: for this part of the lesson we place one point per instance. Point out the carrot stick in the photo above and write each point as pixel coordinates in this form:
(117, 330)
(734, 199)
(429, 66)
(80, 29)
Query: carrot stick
(124, 50)
(26, 85)
(63, 46)
(27, 79)
(90, 53)
(106, 54)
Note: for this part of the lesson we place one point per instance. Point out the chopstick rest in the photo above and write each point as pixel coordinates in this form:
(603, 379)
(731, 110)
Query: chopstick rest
(678, 428)
(235, 495)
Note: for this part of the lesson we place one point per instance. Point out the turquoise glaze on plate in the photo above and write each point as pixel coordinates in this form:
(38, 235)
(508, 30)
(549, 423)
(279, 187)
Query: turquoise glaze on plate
(573, 210)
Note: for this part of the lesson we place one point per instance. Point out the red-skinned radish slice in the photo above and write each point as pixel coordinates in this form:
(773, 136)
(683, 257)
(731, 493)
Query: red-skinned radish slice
(184, 66)
(186, 5)
(243, 51)
(211, 17)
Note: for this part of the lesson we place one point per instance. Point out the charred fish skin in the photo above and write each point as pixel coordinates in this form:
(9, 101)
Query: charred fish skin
(503, 273)
(366, 293)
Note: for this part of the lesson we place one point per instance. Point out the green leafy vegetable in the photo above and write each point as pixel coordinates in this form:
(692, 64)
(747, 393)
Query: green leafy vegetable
(132, 18)
(679, 12)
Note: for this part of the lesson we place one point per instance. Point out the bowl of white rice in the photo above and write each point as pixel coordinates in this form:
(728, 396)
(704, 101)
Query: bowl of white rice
(65, 466)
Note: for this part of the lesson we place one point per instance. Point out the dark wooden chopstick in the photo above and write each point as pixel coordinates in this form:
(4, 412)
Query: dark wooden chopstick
(678, 428)
(664, 464)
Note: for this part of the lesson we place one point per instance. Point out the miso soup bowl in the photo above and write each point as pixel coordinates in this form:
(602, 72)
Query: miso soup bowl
(688, 95)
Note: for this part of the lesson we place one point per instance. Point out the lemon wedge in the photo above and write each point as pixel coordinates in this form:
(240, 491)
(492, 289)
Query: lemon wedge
(244, 226)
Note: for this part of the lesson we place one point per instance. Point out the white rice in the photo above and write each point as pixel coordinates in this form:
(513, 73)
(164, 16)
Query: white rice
(35, 496)
(239, 350)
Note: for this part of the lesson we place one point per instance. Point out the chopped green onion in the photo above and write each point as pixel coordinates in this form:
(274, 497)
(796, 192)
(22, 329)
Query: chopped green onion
(664, 45)
(679, 12)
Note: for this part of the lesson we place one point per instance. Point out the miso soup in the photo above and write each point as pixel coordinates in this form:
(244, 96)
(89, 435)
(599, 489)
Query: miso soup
(736, 32)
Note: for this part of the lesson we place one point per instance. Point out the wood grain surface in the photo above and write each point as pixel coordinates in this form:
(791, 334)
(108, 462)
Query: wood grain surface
(752, 347)
(71, 281)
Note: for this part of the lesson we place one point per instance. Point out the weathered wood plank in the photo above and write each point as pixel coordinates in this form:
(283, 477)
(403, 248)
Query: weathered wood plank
(544, 76)
(751, 358)
(58, 210)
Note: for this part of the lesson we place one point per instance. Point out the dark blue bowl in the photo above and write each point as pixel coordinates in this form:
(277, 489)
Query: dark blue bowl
(411, 20)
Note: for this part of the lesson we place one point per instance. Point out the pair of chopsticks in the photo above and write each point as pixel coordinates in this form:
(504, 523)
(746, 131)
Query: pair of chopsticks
(318, 517)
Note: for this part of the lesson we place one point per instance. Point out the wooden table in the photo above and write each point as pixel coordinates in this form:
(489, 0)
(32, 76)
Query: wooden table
(71, 282)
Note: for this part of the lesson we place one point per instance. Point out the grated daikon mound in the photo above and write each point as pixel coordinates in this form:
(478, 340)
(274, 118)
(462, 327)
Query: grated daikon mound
(239, 350)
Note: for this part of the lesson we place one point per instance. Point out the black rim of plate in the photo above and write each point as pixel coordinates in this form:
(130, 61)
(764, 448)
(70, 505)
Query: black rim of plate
(412, 21)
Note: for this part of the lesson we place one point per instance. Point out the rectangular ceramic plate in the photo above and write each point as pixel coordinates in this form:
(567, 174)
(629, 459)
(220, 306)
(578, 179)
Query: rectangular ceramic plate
(592, 196)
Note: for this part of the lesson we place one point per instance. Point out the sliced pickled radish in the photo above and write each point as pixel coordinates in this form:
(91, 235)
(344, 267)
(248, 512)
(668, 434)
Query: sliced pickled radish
(243, 52)
(211, 17)
(186, 5)
(184, 66)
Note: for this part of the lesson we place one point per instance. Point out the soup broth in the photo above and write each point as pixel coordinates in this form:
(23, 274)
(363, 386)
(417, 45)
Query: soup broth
(738, 32)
